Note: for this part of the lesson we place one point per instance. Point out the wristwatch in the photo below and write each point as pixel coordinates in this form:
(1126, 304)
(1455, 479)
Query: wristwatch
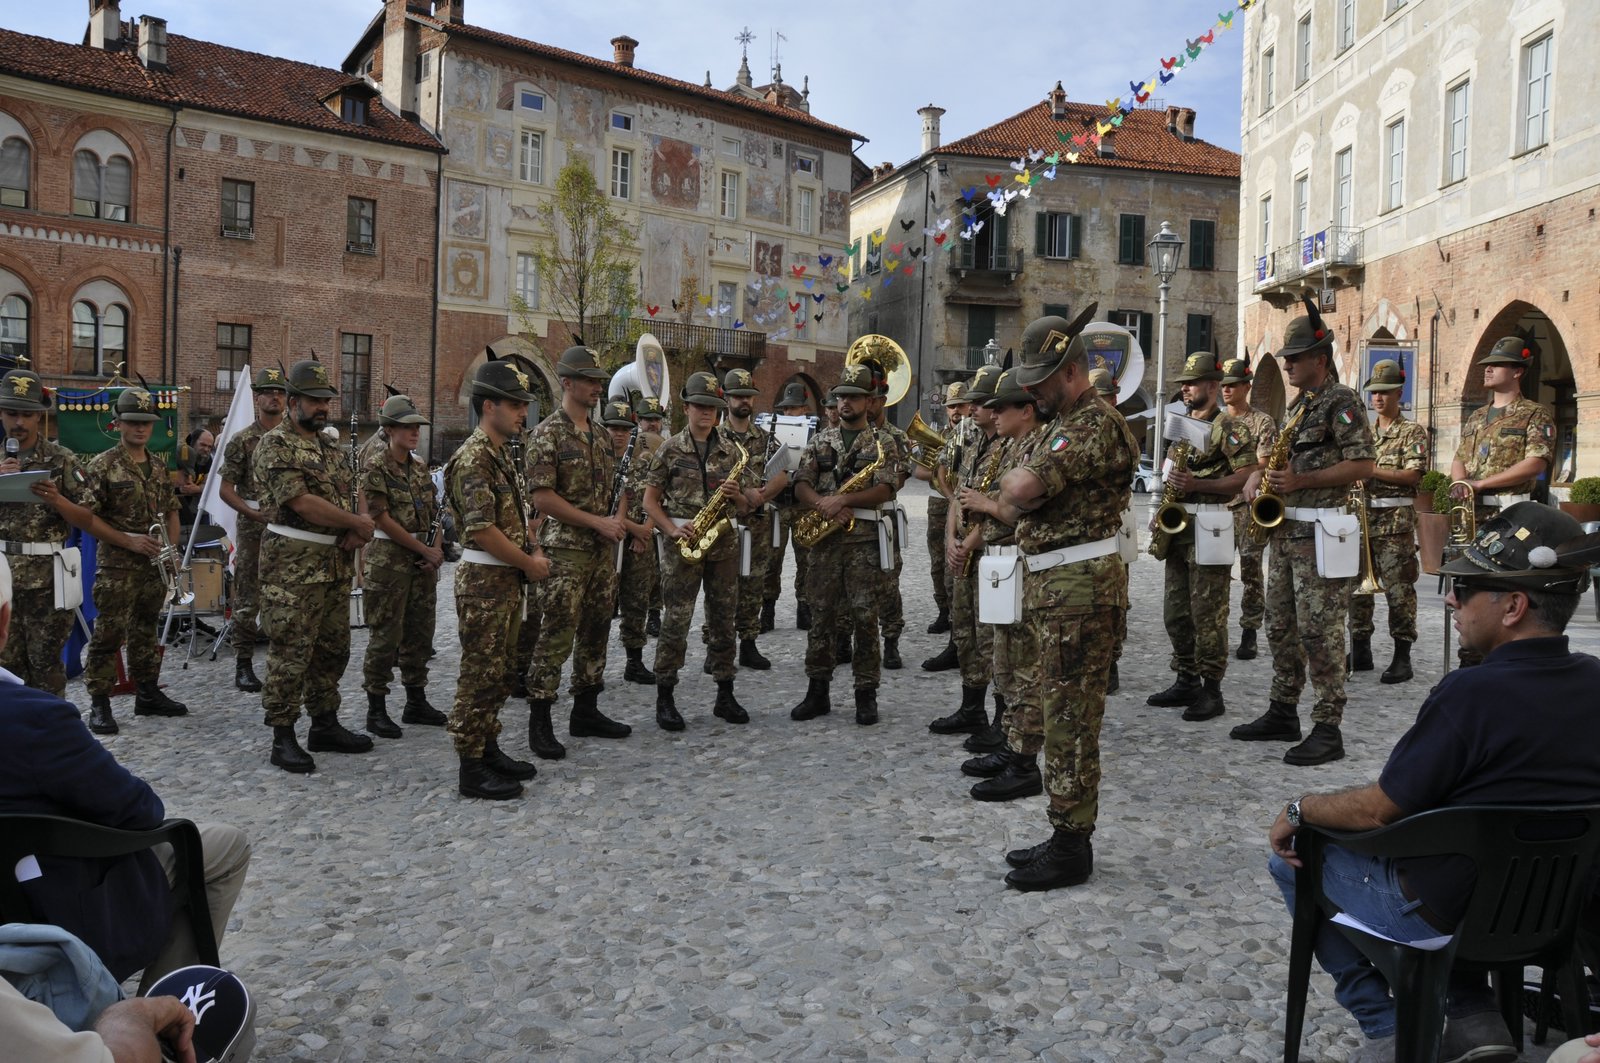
(1291, 812)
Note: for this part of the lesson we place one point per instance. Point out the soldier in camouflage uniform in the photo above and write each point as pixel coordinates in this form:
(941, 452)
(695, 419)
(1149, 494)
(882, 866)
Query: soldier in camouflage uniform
(651, 435)
(963, 539)
(238, 492)
(845, 572)
(639, 580)
(1067, 501)
(792, 404)
(1106, 387)
(891, 607)
(1236, 382)
(129, 489)
(570, 469)
(1402, 458)
(1506, 446)
(402, 570)
(691, 468)
(32, 534)
(957, 407)
(307, 566)
(1195, 598)
(1331, 449)
(738, 389)
(485, 492)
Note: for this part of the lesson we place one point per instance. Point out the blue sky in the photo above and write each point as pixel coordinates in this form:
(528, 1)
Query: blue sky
(870, 67)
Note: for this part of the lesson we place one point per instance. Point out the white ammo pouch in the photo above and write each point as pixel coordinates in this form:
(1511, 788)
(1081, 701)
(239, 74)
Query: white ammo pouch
(1000, 585)
(67, 566)
(746, 544)
(1213, 534)
(886, 545)
(1338, 535)
(776, 522)
(1128, 538)
(902, 525)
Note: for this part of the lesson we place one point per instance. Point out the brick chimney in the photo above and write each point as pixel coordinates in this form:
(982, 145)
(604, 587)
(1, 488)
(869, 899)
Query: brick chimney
(152, 42)
(1108, 145)
(449, 11)
(400, 43)
(930, 127)
(105, 24)
(1180, 122)
(622, 50)
(1058, 101)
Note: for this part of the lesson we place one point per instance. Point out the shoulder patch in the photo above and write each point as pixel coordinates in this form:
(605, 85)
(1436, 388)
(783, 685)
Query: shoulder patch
(1057, 444)
(1347, 416)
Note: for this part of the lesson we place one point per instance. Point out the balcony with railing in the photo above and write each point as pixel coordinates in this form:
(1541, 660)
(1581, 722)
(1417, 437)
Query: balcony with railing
(1331, 258)
(739, 343)
(977, 259)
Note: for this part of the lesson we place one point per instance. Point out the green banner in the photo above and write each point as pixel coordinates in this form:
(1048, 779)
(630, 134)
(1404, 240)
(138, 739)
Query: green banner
(84, 421)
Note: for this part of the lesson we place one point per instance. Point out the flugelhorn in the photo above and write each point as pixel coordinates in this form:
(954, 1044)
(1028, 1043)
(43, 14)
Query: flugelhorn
(1463, 515)
(1370, 584)
(166, 562)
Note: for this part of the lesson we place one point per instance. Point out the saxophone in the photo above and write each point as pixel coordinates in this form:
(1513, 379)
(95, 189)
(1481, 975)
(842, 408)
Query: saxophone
(712, 520)
(1172, 517)
(1267, 510)
(989, 477)
(813, 527)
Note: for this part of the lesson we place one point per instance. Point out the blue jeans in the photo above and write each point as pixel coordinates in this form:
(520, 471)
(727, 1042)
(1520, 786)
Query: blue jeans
(1368, 889)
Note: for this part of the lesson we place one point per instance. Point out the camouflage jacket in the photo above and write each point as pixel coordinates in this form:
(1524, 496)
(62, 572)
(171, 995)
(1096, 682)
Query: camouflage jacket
(903, 451)
(827, 465)
(1085, 462)
(1233, 447)
(1403, 445)
(578, 466)
(1334, 429)
(484, 490)
(130, 497)
(756, 441)
(1494, 440)
(1017, 452)
(405, 492)
(287, 465)
(976, 461)
(36, 522)
(687, 482)
(238, 469)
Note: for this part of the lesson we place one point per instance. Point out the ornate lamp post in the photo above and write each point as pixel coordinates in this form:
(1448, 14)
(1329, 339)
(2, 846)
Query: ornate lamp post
(1165, 248)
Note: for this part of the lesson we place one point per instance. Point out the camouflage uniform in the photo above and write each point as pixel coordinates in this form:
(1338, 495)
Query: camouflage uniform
(753, 588)
(787, 513)
(400, 594)
(974, 641)
(1393, 534)
(576, 602)
(38, 629)
(238, 459)
(1016, 651)
(484, 489)
(128, 592)
(891, 608)
(305, 586)
(640, 581)
(1494, 440)
(1253, 599)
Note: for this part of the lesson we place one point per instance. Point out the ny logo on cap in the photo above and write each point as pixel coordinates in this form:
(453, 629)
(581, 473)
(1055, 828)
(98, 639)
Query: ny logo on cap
(522, 378)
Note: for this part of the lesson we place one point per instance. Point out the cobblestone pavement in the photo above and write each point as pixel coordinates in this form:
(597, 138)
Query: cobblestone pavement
(778, 890)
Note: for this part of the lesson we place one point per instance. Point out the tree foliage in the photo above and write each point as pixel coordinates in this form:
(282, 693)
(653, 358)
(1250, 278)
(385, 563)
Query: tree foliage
(585, 273)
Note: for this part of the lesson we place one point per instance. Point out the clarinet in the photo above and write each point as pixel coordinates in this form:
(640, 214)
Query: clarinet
(618, 483)
(355, 468)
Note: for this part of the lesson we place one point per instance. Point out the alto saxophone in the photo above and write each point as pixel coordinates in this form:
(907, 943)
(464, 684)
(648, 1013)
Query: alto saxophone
(712, 520)
(987, 482)
(1172, 516)
(1267, 510)
(813, 527)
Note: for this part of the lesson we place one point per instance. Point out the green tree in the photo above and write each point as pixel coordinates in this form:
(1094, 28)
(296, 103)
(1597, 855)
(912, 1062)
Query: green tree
(585, 273)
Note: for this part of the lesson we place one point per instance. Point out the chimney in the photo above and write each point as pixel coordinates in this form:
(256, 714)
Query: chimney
(930, 127)
(1108, 145)
(400, 43)
(449, 11)
(1058, 101)
(105, 24)
(1186, 123)
(622, 50)
(152, 42)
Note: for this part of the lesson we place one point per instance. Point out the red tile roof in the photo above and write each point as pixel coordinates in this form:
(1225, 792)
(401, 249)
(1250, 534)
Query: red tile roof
(208, 77)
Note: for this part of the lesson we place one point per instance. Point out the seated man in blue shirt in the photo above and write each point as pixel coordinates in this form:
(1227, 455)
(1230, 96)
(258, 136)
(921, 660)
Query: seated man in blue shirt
(1502, 733)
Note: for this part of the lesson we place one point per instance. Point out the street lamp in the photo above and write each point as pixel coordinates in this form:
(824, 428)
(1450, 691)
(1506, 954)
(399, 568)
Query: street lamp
(991, 351)
(1164, 249)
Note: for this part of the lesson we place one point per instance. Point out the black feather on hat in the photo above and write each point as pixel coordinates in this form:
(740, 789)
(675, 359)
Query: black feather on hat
(1006, 364)
(1319, 328)
(488, 353)
(392, 390)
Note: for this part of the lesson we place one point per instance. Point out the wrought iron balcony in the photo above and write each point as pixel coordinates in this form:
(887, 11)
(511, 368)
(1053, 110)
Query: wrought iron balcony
(676, 336)
(972, 259)
(1329, 258)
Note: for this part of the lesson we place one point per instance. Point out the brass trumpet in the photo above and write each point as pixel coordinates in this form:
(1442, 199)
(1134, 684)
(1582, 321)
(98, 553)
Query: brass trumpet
(166, 562)
(1370, 584)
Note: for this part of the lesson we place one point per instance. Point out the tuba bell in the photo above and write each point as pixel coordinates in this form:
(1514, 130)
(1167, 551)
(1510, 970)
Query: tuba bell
(928, 441)
(888, 354)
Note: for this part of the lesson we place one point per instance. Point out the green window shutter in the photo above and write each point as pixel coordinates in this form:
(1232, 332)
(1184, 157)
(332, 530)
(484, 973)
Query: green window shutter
(1041, 234)
(1147, 333)
(1075, 236)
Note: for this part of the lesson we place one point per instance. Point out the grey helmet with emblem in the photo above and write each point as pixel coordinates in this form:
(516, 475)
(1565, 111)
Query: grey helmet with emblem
(702, 389)
(136, 406)
(310, 378)
(581, 361)
(23, 390)
(399, 411)
(501, 378)
(616, 414)
(1528, 546)
(1048, 342)
(740, 384)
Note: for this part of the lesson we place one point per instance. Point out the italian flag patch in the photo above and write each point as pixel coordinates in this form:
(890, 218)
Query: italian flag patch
(1347, 417)
(1058, 444)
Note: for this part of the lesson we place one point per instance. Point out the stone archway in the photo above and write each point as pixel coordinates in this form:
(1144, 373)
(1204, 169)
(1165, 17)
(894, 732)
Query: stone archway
(1549, 379)
(1266, 393)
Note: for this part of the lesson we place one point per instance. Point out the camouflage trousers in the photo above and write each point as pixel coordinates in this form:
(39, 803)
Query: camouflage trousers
(1253, 602)
(1395, 559)
(844, 579)
(488, 626)
(891, 609)
(802, 559)
(1305, 627)
(520, 660)
(400, 605)
(308, 628)
(575, 606)
(637, 589)
(129, 603)
(246, 589)
(680, 586)
(1016, 678)
(1075, 647)
(974, 641)
(1195, 609)
(1122, 625)
(938, 510)
(38, 635)
(753, 588)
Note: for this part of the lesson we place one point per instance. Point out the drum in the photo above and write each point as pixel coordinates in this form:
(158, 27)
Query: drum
(206, 579)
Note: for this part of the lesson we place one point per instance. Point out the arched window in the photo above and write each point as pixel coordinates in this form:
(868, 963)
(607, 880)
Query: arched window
(99, 338)
(14, 315)
(16, 169)
(101, 189)
(114, 336)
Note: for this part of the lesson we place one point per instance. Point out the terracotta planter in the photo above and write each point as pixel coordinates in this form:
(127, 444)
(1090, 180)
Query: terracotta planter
(1432, 531)
(1582, 512)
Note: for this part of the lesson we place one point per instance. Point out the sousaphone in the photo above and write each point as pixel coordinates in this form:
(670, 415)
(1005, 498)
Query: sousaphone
(890, 355)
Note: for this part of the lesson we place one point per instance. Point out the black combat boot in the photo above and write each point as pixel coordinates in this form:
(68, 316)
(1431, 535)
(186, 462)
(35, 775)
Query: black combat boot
(891, 653)
(1322, 745)
(328, 735)
(968, 719)
(1247, 645)
(843, 649)
(815, 703)
(987, 766)
(1020, 778)
(152, 701)
(497, 761)
(244, 676)
(1113, 680)
(750, 657)
(1024, 857)
(378, 721)
(992, 737)
(1067, 860)
(1184, 691)
(477, 779)
(946, 659)
(667, 716)
(652, 623)
(941, 623)
(101, 721)
(541, 735)
(1208, 706)
(866, 706)
(287, 754)
(519, 685)
(1399, 670)
(635, 670)
(1360, 657)
(769, 617)
(1280, 723)
(802, 617)
(587, 721)
(418, 711)
(728, 707)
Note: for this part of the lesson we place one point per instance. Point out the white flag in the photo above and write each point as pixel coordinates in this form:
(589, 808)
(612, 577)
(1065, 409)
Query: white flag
(241, 412)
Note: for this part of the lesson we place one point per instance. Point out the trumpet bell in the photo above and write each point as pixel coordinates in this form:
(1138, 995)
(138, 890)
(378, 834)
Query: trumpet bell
(1370, 585)
(927, 439)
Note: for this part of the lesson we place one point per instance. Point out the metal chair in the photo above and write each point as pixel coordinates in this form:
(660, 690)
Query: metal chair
(1533, 865)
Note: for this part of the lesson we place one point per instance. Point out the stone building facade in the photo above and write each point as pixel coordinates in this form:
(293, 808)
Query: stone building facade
(1433, 165)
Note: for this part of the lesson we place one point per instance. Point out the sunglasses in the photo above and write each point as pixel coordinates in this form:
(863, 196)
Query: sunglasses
(1461, 589)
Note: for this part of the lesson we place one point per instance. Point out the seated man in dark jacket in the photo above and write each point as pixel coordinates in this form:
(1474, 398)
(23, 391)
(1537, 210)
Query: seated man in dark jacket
(122, 907)
(1510, 731)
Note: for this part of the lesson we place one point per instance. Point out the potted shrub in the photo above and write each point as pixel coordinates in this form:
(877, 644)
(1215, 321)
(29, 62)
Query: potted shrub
(1584, 499)
(1433, 520)
(1433, 485)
